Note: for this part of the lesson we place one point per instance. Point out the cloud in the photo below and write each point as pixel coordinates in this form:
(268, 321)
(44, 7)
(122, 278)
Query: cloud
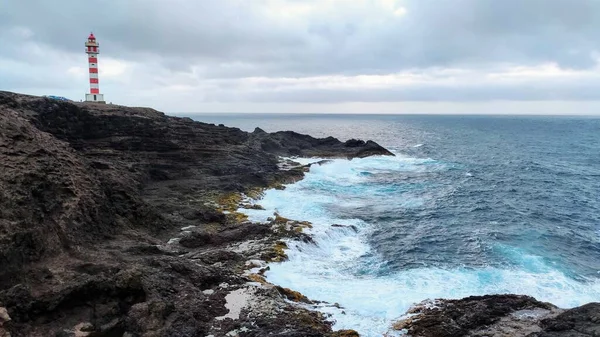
(306, 51)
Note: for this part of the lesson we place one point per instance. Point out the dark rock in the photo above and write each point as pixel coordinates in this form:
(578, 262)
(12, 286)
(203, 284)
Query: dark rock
(96, 269)
(354, 143)
(582, 321)
(501, 315)
(258, 130)
(246, 231)
(198, 239)
(461, 317)
(75, 303)
(214, 256)
(321, 162)
(289, 143)
(305, 238)
(204, 215)
(352, 227)
(152, 250)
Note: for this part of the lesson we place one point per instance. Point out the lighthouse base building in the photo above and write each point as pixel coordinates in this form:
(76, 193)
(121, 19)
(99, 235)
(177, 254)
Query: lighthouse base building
(98, 98)
(92, 49)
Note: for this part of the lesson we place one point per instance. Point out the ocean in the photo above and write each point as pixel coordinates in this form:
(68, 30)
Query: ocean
(470, 205)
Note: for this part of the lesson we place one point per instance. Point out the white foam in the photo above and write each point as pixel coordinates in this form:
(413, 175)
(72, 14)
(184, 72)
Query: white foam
(341, 267)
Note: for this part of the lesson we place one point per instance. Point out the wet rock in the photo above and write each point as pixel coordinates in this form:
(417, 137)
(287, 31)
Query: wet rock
(352, 227)
(322, 162)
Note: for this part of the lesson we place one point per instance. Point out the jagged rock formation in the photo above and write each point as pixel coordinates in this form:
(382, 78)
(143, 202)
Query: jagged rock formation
(89, 196)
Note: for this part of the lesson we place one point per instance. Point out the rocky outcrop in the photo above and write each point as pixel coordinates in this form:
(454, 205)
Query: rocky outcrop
(499, 315)
(90, 196)
(289, 143)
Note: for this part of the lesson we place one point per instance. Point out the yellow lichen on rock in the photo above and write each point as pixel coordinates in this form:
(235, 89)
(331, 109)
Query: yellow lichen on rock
(279, 254)
(257, 278)
(292, 295)
(229, 202)
(312, 319)
(255, 193)
(280, 247)
(306, 224)
(280, 220)
(239, 217)
(402, 324)
(301, 226)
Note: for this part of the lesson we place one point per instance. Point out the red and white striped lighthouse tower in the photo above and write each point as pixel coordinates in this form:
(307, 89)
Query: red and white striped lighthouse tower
(92, 48)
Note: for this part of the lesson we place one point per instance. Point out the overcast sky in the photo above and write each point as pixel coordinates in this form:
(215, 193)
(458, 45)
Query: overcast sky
(381, 56)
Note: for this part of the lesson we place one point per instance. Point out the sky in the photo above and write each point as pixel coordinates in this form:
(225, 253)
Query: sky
(330, 56)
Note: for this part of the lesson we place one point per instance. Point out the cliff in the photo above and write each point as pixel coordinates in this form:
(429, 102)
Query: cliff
(91, 194)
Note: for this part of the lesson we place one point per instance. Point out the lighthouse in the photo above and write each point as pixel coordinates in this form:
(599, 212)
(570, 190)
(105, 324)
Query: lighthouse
(92, 49)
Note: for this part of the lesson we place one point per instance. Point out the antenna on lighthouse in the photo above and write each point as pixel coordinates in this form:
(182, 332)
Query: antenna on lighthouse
(92, 48)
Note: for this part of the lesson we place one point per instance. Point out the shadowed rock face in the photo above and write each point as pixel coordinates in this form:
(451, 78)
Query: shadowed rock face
(89, 194)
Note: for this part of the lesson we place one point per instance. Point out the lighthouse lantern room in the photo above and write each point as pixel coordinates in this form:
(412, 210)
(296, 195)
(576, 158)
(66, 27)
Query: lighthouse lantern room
(92, 49)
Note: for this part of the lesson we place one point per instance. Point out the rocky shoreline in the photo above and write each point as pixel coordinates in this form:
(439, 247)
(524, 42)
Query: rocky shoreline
(119, 221)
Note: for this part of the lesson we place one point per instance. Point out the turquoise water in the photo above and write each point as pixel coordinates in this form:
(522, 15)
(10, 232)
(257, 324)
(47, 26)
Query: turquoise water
(470, 205)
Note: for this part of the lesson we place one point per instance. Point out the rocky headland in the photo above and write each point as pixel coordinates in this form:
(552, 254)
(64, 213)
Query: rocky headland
(119, 221)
